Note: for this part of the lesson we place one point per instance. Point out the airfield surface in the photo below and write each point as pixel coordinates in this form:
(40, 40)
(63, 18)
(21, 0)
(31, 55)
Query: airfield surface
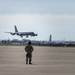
(46, 61)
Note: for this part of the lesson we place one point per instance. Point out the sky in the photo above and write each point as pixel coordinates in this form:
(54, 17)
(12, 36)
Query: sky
(44, 17)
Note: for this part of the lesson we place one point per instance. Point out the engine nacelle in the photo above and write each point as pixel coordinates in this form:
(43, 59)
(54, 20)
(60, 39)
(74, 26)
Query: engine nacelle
(12, 33)
(35, 35)
(20, 35)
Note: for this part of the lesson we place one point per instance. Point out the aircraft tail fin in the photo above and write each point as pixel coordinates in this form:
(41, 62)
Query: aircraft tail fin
(16, 29)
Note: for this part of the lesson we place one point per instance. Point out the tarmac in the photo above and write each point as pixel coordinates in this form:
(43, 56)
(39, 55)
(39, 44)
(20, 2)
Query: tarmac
(46, 61)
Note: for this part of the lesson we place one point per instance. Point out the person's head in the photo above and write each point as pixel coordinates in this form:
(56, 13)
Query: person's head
(29, 43)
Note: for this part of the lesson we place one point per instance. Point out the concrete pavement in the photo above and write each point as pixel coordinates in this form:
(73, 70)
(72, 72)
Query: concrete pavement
(46, 61)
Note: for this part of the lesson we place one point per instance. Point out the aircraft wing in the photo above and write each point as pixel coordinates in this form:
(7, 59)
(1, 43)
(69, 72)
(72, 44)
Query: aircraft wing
(7, 32)
(10, 33)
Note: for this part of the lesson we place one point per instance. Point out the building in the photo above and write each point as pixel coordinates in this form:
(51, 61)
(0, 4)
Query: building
(50, 38)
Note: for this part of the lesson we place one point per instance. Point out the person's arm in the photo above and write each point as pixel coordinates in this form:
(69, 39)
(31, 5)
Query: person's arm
(32, 48)
(26, 48)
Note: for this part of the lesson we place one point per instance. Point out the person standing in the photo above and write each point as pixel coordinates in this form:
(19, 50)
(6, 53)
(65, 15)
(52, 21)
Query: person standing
(29, 50)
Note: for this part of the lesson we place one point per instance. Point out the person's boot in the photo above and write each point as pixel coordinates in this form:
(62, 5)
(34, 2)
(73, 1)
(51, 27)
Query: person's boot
(30, 63)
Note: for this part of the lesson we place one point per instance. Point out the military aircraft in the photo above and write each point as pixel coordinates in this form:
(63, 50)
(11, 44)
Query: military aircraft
(21, 34)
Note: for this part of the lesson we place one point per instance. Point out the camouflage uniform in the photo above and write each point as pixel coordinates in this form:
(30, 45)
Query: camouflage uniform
(29, 50)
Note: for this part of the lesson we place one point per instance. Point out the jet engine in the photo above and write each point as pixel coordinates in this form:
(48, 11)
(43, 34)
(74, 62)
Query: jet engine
(12, 33)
